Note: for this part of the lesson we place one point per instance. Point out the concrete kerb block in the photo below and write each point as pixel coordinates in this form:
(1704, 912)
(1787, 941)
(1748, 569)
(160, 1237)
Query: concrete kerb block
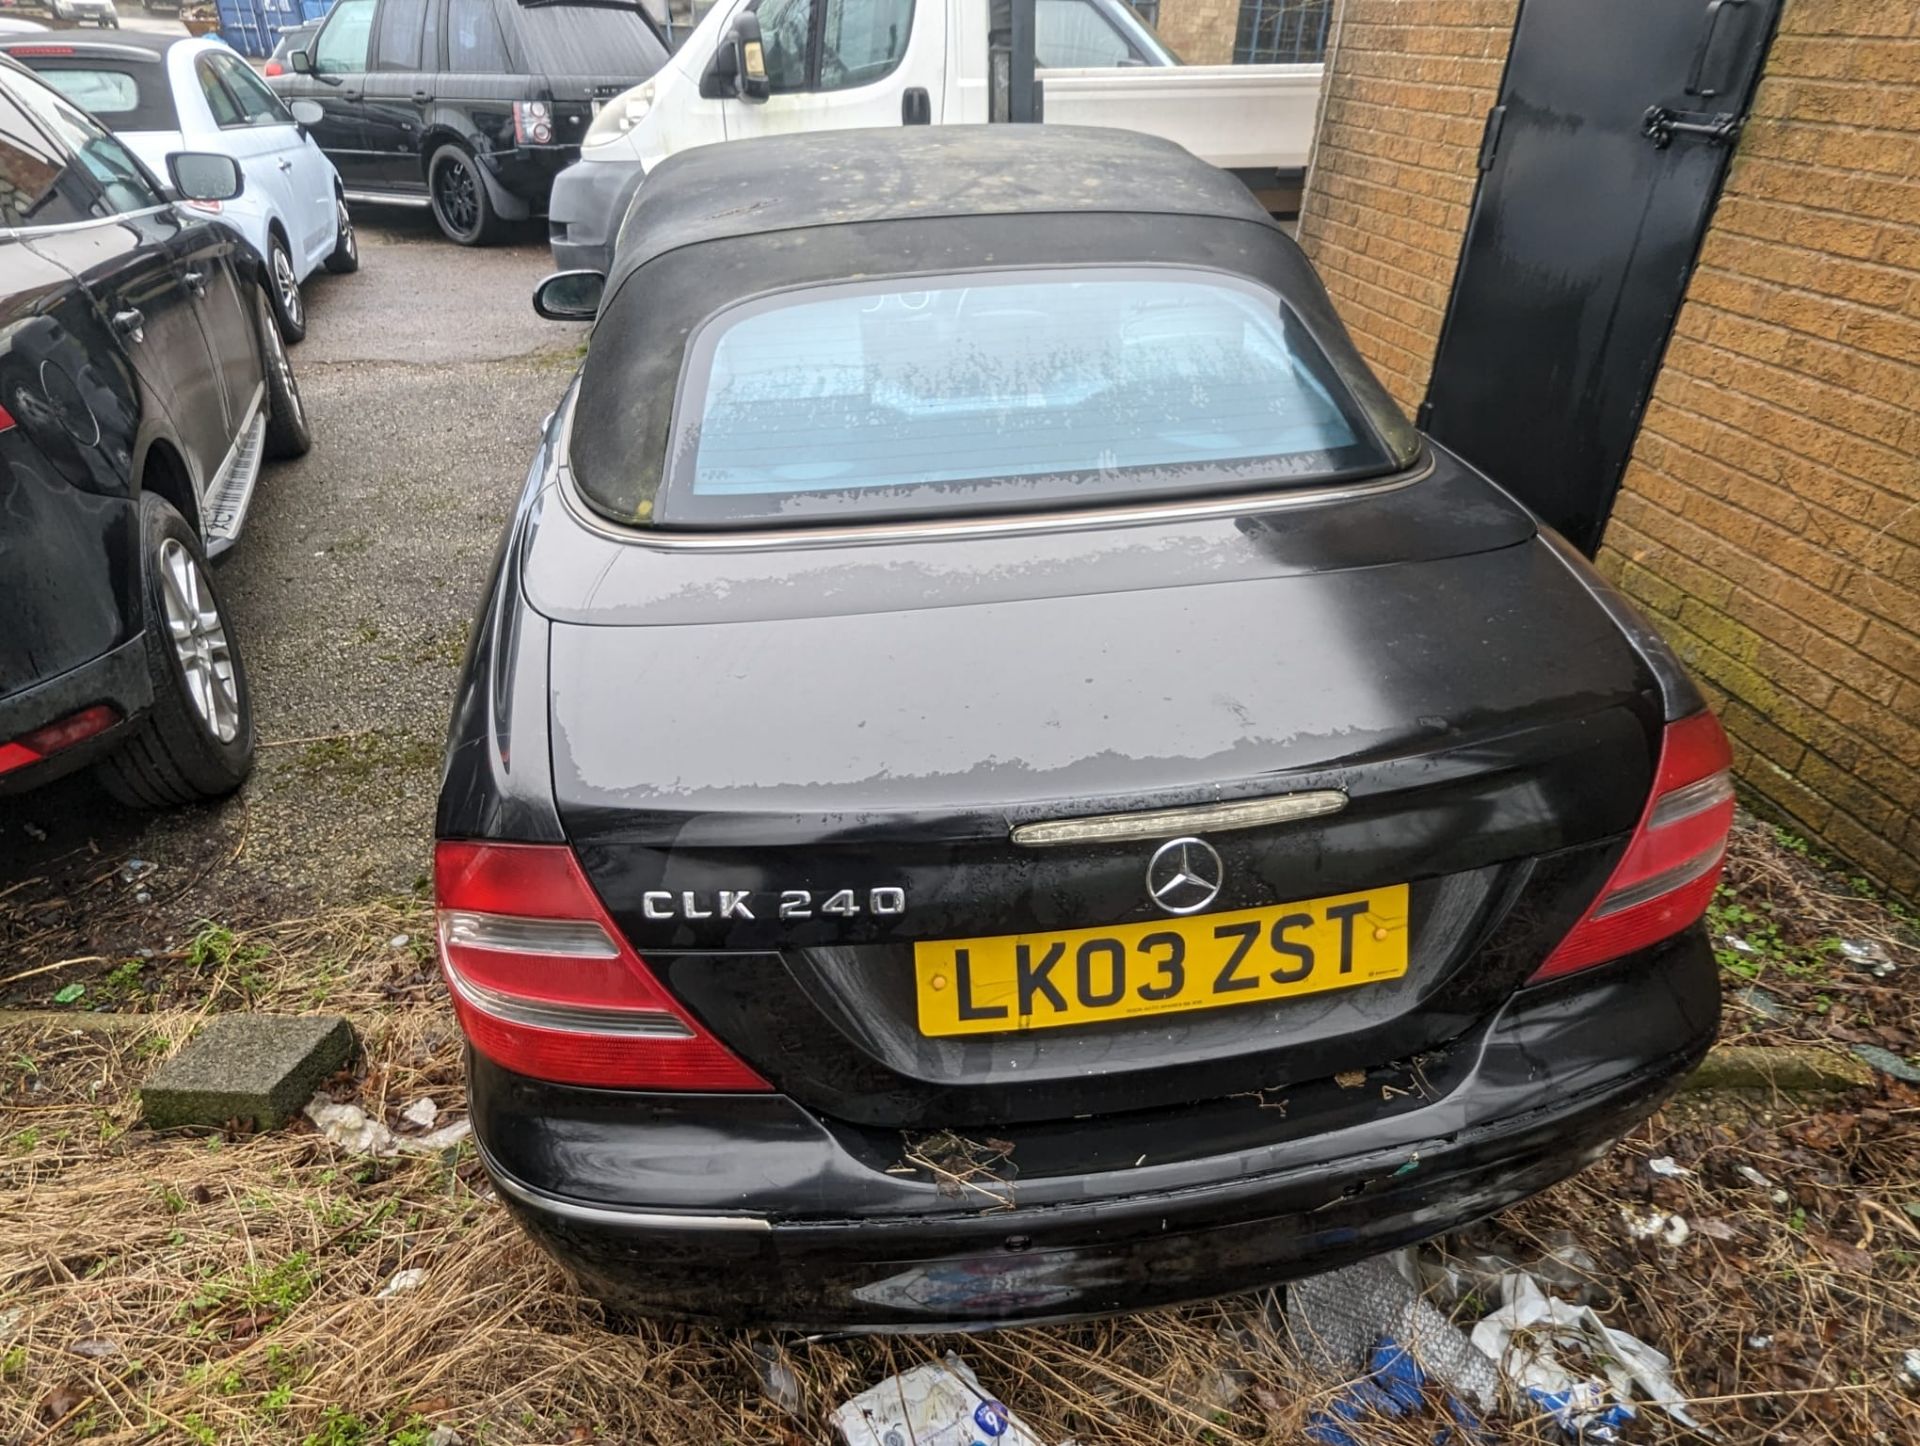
(259, 1067)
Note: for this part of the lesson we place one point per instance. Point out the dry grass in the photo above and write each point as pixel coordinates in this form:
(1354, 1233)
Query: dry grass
(227, 1288)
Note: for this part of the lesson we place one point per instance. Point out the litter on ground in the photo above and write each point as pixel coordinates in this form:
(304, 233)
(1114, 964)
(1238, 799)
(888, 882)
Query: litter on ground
(938, 1404)
(1534, 1354)
(352, 1129)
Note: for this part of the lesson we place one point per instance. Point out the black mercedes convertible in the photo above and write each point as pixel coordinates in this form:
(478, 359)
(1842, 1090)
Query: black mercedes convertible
(998, 778)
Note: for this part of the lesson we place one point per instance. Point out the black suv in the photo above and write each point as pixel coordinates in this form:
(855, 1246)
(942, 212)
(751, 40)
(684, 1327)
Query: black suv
(469, 106)
(142, 382)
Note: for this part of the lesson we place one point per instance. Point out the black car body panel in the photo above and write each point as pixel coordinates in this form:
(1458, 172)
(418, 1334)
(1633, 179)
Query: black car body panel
(713, 721)
(96, 417)
(910, 773)
(751, 1211)
(450, 72)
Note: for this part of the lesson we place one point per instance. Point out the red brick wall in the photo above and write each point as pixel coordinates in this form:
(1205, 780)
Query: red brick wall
(1200, 31)
(1770, 517)
(1409, 84)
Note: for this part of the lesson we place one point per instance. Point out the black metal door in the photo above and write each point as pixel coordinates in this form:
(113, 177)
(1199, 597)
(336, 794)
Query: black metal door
(1600, 167)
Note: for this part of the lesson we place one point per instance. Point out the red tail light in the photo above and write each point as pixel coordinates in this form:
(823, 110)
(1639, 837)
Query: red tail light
(545, 984)
(6, 420)
(532, 123)
(1672, 865)
(273, 67)
(75, 728)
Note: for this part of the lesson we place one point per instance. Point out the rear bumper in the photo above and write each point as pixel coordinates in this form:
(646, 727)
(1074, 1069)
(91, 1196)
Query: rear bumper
(746, 1210)
(590, 199)
(527, 172)
(118, 677)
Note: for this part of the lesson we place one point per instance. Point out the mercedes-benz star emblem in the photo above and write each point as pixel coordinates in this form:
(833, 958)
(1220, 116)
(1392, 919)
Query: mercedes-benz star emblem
(1184, 876)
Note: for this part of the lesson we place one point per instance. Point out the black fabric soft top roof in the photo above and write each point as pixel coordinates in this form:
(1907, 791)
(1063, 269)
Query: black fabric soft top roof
(717, 225)
(839, 178)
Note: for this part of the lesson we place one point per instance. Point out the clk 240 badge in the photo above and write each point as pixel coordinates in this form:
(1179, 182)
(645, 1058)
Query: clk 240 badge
(883, 902)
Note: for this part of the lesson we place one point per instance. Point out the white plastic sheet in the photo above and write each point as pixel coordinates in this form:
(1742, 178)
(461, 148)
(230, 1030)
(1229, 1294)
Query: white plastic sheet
(1527, 1335)
(352, 1129)
(939, 1404)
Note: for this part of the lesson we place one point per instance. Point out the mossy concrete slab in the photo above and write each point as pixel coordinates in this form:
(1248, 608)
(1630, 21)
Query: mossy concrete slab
(1790, 1069)
(259, 1067)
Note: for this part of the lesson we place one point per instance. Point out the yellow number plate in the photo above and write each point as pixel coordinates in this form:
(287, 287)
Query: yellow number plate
(1042, 981)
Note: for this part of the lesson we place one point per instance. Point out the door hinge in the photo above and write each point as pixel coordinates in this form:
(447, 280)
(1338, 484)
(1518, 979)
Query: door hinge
(1661, 125)
(1490, 138)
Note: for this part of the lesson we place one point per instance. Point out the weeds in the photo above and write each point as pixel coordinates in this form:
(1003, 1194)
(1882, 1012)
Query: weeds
(235, 964)
(279, 1245)
(1748, 941)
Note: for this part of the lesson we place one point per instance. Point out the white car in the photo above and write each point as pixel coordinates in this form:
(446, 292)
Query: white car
(160, 94)
(100, 12)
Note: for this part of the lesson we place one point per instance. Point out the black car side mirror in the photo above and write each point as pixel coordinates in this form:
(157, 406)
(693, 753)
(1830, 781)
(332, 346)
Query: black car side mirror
(570, 295)
(739, 67)
(300, 62)
(205, 176)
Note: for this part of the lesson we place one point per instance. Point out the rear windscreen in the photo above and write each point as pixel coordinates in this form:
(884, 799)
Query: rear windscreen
(121, 95)
(588, 40)
(1002, 389)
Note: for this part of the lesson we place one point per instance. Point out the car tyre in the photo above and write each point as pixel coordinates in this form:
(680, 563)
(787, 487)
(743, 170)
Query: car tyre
(283, 286)
(288, 435)
(345, 257)
(461, 203)
(196, 741)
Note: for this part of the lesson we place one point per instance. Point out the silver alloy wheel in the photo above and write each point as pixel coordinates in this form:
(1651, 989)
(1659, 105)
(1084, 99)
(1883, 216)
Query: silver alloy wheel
(283, 368)
(289, 286)
(346, 243)
(199, 641)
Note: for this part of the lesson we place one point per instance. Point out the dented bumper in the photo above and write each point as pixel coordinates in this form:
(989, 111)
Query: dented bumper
(751, 1210)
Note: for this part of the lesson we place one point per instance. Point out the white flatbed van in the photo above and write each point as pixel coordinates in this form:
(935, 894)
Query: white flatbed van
(837, 64)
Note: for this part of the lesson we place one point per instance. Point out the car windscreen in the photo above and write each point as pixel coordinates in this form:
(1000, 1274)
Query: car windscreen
(595, 39)
(123, 95)
(1002, 390)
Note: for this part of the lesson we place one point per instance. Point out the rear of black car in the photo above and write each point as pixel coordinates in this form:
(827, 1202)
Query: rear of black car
(1005, 906)
(760, 1128)
(578, 54)
(72, 666)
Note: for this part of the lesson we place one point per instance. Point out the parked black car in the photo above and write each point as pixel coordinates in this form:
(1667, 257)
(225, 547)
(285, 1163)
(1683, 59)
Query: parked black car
(142, 382)
(999, 778)
(469, 106)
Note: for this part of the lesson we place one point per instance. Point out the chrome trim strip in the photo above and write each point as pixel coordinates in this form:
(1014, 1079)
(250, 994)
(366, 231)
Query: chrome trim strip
(1691, 799)
(224, 504)
(569, 1019)
(612, 1215)
(28, 232)
(385, 198)
(941, 528)
(1647, 890)
(517, 934)
(1165, 822)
